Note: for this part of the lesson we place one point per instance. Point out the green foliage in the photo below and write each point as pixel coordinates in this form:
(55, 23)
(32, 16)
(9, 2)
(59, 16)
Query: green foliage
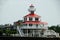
(1, 30)
(13, 31)
(55, 28)
(9, 31)
(18, 23)
(52, 27)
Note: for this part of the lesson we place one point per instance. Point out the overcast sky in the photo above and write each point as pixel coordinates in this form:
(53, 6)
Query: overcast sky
(13, 10)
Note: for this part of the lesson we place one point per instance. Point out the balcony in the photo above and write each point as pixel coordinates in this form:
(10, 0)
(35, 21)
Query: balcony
(31, 27)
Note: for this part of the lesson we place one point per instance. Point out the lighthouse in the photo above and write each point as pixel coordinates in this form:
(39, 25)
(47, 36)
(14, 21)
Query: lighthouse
(32, 25)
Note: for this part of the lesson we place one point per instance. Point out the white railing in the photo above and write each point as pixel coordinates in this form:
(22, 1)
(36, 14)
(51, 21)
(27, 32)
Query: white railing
(20, 31)
(33, 27)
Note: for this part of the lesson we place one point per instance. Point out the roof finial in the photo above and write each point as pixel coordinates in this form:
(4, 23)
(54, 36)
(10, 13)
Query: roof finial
(31, 5)
(31, 9)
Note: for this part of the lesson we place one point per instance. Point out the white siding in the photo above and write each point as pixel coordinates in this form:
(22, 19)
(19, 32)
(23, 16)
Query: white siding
(33, 19)
(33, 27)
(27, 18)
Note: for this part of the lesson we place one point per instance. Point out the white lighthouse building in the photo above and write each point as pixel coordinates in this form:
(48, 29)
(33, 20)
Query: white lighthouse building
(32, 25)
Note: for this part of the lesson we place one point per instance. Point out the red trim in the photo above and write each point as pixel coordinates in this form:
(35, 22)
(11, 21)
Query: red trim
(32, 15)
(34, 22)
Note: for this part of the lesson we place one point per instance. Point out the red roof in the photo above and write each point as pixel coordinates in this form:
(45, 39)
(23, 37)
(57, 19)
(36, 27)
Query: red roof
(34, 22)
(44, 23)
(32, 15)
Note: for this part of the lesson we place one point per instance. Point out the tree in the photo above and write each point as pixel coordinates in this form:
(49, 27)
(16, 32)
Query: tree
(52, 27)
(18, 23)
(55, 28)
(1, 32)
(8, 31)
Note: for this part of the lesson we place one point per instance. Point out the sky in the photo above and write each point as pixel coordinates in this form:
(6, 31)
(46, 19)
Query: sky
(13, 10)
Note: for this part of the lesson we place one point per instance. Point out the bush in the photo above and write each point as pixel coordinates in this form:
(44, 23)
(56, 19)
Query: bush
(8, 32)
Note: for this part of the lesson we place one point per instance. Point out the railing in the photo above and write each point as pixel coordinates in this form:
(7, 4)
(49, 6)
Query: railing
(20, 31)
(32, 27)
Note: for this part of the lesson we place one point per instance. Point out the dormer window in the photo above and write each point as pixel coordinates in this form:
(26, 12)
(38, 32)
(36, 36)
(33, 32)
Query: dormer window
(30, 24)
(25, 19)
(36, 25)
(25, 24)
(36, 19)
(30, 18)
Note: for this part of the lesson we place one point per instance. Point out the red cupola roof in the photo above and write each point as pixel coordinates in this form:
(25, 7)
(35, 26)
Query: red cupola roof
(32, 15)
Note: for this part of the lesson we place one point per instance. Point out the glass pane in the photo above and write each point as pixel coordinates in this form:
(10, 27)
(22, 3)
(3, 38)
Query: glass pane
(25, 19)
(30, 24)
(36, 19)
(24, 31)
(25, 24)
(36, 24)
(30, 19)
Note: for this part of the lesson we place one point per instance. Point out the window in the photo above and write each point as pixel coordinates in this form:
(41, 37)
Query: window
(30, 24)
(42, 33)
(24, 31)
(36, 19)
(25, 19)
(36, 25)
(25, 24)
(41, 25)
(30, 18)
(28, 30)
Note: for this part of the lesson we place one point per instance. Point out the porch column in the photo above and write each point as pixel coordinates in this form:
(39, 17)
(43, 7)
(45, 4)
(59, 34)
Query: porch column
(33, 33)
(39, 33)
(27, 32)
